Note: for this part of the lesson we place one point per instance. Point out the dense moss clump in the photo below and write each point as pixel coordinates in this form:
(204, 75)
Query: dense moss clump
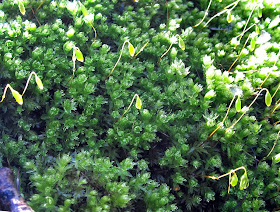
(77, 146)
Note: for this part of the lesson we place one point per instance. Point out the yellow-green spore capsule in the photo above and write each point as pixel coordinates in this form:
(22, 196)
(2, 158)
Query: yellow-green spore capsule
(234, 180)
(238, 104)
(182, 43)
(131, 49)
(138, 103)
(244, 181)
(17, 96)
(79, 54)
(21, 7)
(268, 99)
(39, 82)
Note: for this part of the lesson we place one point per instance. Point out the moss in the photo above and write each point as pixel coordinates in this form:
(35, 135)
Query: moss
(73, 151)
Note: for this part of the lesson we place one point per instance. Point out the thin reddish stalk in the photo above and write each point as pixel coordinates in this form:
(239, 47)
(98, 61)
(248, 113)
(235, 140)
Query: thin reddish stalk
(34, 14)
